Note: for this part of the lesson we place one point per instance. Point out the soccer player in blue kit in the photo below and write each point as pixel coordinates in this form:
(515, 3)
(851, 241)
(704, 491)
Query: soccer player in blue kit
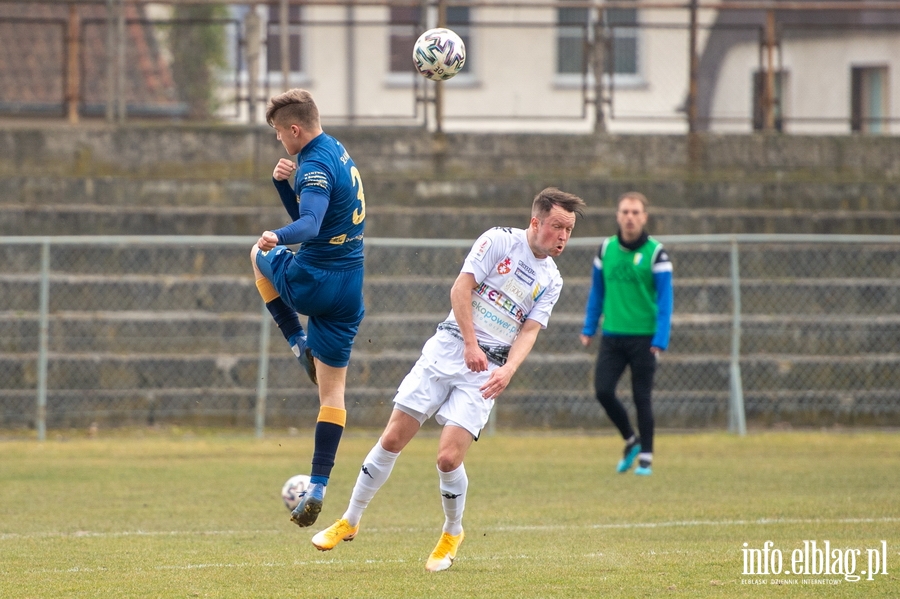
(324, 278)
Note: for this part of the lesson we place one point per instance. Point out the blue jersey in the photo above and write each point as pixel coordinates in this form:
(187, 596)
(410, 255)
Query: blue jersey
(327, 177)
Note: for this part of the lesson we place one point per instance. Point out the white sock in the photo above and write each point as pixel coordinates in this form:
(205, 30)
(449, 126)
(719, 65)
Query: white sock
(453, 497)
(645, 457)
(375, 471)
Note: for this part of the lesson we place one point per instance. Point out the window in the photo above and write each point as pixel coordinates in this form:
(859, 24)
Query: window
(407, 25)
(868, 99)
(622, 54)
(575, 28)
(273, 39)
(458, 19)
(759, 99)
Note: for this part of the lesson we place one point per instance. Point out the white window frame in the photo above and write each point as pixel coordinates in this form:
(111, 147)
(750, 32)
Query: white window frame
(619, 80)
(466, 77)
(296, 76)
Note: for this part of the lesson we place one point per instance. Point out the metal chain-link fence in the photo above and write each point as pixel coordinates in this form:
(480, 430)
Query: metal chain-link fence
(147, 330)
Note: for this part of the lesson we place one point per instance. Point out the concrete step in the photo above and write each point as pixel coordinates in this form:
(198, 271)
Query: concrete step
(238, 152)
(185, 259)
(123, 192)
(370, 408)
(548, 373)
(389, 258)
(433, 222)
(173, 259)
(404, 190)
(711, 193)
(133, 292)
(697, 409)
(179, 333)
(418, 294)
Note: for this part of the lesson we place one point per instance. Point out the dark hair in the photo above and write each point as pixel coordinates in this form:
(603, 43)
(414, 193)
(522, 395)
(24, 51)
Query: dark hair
(550, 197)
(295, 106)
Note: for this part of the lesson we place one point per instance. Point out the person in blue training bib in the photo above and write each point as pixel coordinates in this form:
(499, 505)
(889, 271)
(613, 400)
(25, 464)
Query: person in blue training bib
(632, 289)
(323, 279)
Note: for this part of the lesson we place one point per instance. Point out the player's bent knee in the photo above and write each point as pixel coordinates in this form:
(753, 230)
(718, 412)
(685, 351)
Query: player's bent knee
(254, 251)
(449, 460)
(392, 445)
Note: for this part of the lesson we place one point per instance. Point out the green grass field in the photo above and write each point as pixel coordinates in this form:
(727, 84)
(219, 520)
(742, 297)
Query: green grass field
(198, 514)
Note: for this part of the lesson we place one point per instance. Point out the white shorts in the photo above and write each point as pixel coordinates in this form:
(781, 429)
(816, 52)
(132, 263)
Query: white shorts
(441, 385)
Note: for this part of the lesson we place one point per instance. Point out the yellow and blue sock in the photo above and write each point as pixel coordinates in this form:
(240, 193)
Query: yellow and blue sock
(329, 428)
(285, 317)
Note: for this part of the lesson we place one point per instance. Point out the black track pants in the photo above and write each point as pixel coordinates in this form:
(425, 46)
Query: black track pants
(615, 354)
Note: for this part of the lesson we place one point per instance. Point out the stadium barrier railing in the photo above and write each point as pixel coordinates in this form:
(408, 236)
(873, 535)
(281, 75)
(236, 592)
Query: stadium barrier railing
(145, 330)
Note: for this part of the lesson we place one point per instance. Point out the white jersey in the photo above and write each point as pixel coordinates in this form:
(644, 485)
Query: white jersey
(513, 286)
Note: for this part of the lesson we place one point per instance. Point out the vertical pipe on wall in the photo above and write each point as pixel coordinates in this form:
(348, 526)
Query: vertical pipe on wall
(769, 100)
(262, 382)
(439, 86)
(598, 62)
(120, 63)
(693, 71)
(736, 416)
(43, 342)
(73, 73)
(251, 34)
(351, 61)
(285, 45)
(110, 61)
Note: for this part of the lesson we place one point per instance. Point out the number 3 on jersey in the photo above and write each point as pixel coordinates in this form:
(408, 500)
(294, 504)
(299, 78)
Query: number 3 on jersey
(359, 215)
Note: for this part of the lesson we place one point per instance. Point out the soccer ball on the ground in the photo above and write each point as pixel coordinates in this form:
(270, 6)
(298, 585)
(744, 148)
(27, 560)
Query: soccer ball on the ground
(294, 490)
(439, 54)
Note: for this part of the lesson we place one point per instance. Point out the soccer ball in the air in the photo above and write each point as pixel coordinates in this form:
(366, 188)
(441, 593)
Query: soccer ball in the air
(294, 490)
(439, 54)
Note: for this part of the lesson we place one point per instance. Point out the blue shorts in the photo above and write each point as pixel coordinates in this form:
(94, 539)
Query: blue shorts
(332, 299)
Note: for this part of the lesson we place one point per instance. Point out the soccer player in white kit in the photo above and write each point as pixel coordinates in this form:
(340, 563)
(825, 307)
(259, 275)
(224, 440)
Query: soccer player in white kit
(502, 298)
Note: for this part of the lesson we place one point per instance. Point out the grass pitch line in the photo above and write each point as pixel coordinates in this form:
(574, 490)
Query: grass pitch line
(247, 565)
(687, 523)
(623, 525)
(86, 534)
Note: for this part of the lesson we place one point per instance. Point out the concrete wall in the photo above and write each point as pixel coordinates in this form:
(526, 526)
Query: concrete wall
(241, 152)
(152, 179)
(137, 333)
